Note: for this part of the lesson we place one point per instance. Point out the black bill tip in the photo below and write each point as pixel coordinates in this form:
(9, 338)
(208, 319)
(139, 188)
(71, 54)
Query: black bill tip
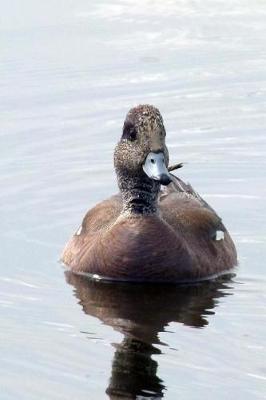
(165, 179)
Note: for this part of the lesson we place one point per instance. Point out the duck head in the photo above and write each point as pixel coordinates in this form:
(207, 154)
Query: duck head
(141, 150)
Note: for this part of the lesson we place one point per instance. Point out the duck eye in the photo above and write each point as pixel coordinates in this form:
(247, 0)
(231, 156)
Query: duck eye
(129, 132)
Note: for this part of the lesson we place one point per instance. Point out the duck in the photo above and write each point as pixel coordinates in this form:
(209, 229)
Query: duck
(157, 228)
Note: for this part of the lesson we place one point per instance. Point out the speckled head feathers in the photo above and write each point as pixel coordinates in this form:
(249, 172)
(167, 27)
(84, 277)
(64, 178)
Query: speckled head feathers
(143, 132)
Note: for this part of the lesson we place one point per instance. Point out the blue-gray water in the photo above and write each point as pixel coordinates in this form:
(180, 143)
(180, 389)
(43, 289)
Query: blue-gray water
(69, 71)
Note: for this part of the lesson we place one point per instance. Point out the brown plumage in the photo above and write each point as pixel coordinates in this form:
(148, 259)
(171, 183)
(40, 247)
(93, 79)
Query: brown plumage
(150, 232)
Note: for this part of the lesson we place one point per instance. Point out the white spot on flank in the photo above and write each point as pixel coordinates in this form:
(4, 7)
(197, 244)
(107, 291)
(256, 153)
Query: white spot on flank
(79, 231)
(219, 235)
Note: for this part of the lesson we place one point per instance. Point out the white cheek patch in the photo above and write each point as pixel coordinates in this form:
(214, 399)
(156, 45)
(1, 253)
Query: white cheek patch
(219, 235)
(79, 231)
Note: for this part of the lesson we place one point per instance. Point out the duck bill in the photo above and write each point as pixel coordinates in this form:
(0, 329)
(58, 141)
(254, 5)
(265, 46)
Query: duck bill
(156, 169)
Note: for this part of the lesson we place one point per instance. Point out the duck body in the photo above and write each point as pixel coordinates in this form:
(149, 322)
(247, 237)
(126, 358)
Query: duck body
(149, 232)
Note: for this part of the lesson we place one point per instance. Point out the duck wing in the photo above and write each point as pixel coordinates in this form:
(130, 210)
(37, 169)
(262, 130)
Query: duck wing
(184, 190)
(187, 212)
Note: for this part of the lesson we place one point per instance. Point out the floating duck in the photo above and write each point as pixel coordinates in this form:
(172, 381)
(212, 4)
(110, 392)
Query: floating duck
(158, 228)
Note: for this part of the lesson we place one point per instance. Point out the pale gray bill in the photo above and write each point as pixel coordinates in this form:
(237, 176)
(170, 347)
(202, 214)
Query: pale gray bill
(156, 169)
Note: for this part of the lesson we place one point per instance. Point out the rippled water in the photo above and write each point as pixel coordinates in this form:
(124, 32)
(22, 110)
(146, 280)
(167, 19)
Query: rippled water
(69, 71)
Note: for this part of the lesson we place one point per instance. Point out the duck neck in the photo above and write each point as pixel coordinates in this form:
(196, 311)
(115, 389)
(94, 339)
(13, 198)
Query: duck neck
(139, 193)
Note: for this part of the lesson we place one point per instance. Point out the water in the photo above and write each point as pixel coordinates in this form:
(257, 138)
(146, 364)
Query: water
(69, 71)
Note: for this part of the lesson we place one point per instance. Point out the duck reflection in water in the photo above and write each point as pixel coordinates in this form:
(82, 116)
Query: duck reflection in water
(140, 313)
